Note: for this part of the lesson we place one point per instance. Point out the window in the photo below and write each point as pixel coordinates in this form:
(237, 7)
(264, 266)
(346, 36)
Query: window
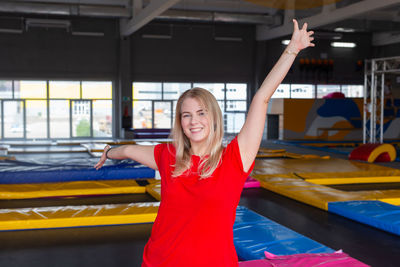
(56, 109)
(283, 91)
(154, 104)
(5, 89)
(174, 90)
(64, 89)
(325, 89)
(147, 91)
(302, 91)
(353, 90)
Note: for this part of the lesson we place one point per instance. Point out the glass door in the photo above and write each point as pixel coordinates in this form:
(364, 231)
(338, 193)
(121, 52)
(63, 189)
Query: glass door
(163, 114)
(81, 115)
(14, 119)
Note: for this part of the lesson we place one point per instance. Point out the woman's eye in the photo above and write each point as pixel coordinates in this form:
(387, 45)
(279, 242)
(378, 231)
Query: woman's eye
(185, 116)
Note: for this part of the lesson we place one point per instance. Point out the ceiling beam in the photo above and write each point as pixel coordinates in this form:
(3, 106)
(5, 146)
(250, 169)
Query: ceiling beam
(385, 38)
(145, 15)
(328, 16)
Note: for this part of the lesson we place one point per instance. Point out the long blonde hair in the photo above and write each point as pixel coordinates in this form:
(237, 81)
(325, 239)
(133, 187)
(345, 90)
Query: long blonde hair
(182, 145)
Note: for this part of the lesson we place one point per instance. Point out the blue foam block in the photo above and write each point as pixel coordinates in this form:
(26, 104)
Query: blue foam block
(375, 213)
(36, 173)
(254, 234)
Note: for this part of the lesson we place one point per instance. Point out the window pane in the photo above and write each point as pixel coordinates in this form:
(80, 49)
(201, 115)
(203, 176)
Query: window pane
(30, 89)
(96, 90)
(162, 115)
(236, 91)
(235, 105)
(283, 91)
(36, 119)
(102, 118)
(1, 122)
(302, 91)
(217, 89)
(59, 119)
(142, 115)
(174, 90)
(5, 89)
(146, 91)
(324, 89)
(234, 122)
(353, 90)
(64, 89)
(81, 119)
(13, 119)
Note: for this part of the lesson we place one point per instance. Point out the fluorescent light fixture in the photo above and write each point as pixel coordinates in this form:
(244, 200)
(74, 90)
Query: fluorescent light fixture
(285, 42)
(340, 29)
(343, 44)
(94, 34)
(17, 31)
(228, 39)
(156, 36)
(48, 23)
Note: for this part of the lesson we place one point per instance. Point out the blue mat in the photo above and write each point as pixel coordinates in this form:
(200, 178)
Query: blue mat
(375, 213)
(254, 234)
(19, 172)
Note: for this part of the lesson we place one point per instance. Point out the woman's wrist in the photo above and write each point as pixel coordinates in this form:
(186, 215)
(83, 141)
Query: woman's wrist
(292, 50)
(108, 150)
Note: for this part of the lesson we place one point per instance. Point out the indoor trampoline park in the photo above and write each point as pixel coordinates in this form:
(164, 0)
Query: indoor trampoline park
(120, 120)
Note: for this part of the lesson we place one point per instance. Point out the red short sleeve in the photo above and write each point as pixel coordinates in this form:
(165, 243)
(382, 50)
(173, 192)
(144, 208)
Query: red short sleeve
(233, 152)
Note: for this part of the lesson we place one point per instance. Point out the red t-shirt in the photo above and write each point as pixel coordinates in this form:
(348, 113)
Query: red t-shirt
(195, 218)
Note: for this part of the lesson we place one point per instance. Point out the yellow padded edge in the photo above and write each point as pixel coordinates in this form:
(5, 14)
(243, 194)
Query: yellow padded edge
(76, 216)
(154, 190)
(393, 201)
(77, 188)
(355, 180)
(381, 149)
(284, 166)
(315, 195)
(267, 150)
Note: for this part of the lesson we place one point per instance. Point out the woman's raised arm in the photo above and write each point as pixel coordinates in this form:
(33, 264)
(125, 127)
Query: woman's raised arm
(250, 136)
(139, 153)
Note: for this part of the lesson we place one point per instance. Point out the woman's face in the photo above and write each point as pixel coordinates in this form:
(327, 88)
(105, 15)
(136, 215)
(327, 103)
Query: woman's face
(195, 121)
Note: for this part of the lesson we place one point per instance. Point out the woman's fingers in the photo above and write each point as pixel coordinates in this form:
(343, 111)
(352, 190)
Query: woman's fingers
(295, 25)
(304, 26)
(310, 33)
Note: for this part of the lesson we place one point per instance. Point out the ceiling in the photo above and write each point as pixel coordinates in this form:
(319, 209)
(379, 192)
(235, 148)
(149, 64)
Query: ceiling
(272, 17)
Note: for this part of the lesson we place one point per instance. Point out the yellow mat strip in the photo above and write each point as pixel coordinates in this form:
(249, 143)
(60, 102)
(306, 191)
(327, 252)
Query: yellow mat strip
(76, 216)
(355, 180)
(77, 188)
(154, 190)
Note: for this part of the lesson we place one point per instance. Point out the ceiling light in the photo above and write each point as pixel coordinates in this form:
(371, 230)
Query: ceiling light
(343, 44)
(340, 29)
(285, 42)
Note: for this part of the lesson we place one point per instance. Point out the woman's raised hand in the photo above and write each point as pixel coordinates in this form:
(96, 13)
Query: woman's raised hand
(301, 38)
(103, 158)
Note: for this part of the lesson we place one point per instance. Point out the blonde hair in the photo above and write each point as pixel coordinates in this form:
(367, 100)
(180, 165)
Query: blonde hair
(214, 140)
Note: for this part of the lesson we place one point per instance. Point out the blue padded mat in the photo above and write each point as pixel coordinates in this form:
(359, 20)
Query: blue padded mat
(19, 172)
(375, 213)
(254, 234)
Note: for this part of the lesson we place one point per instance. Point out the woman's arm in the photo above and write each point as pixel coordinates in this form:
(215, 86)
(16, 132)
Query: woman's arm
(139, 153)
(250, 135)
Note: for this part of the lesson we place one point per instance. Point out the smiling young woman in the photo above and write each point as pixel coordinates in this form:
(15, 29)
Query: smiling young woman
(201, 181)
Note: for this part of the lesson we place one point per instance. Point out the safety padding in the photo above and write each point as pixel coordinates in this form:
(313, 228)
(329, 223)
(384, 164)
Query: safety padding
(337, 258)
(154, 189)
(51, 174)
(332, 178)
(286, 166)
(77, 216)
(69, 189)
(254, 234)
(374, 213)
(251, 183)
(374, 153)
